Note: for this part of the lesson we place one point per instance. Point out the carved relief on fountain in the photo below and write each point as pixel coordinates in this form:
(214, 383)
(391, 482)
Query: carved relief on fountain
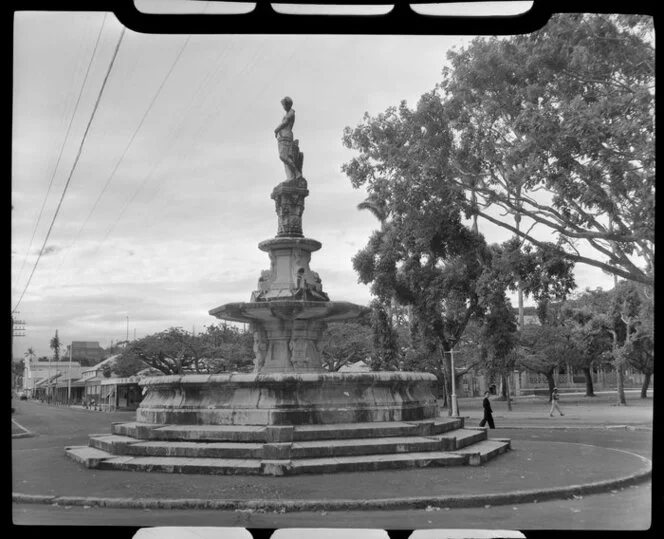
(289, 204)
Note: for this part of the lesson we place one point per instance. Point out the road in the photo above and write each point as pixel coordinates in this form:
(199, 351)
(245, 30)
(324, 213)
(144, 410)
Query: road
(629, 508)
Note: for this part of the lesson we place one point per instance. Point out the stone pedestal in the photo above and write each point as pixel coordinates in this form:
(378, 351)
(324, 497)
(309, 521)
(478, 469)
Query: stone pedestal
(288, 398)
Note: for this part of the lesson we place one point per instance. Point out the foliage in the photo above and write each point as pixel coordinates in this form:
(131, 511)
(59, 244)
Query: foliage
(423, 256)
(384, 343)
(345, 343)
(56, 346)
(176, 351)
(567, 111)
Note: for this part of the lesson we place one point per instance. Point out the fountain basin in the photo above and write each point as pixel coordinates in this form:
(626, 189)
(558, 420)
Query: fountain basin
(287, 398)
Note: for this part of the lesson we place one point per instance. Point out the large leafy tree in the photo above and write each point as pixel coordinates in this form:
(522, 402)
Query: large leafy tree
(176, 351)
(345, 343)
(498, 339)
(557, 127)
(424, 256)
(585, 316)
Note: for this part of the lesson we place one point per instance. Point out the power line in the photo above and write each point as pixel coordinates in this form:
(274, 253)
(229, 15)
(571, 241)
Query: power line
(131, 140)
(154, 168)
(62, 147)
(78, 155)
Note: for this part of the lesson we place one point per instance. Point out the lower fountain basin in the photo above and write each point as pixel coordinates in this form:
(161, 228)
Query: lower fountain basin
(287, 398)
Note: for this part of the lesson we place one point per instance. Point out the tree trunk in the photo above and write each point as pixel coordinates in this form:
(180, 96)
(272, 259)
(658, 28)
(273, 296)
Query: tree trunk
(551, 381)
(589, 382)
(646, 383)
(506, 385)
(621, 385)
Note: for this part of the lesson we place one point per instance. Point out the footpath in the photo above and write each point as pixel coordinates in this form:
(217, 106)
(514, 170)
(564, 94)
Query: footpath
(595, 447)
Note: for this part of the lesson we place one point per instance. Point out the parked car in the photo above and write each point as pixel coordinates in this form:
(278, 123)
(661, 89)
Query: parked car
(22, 396)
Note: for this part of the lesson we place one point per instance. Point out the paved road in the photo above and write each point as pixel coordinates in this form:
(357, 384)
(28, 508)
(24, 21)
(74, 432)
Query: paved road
(57, 427)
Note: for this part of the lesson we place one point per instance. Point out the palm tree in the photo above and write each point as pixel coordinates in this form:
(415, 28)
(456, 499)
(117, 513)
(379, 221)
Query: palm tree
(55, 346)
(378, 207)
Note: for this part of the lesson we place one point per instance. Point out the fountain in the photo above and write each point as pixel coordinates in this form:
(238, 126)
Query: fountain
(289, 415)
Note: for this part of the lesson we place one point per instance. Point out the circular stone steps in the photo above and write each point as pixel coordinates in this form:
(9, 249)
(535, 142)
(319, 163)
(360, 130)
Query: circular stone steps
(287, 450)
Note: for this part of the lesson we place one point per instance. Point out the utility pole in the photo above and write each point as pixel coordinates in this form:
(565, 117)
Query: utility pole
(127, 339)
(18, 330)
(69, 376)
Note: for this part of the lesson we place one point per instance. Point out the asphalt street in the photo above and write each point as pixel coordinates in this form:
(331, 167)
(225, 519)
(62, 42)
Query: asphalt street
(56, 427)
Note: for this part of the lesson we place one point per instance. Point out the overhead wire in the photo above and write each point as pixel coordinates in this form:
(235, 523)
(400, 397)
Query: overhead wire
(133, 137)
(157, 164)
(62, 147)
(78, 155)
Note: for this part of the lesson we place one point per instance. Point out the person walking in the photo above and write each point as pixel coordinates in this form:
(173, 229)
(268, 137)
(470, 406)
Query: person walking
(488, 417)
(554, 402)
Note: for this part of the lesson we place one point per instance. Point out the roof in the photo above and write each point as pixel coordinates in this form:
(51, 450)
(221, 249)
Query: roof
(108, 361)
(48, 380)
(358, 366)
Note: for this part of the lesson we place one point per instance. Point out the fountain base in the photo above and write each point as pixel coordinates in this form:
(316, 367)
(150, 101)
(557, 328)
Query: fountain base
(287, 398)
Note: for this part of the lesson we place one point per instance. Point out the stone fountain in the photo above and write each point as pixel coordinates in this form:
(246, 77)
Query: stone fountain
(290, 415)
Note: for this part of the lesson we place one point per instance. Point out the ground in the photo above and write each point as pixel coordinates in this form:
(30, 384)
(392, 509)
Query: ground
(593, 442)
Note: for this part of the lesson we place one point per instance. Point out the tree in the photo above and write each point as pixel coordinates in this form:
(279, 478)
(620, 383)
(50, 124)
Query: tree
(345, 343)
(30, 354)
(56, 346)
(584, 316)
(543, 348)
(423, 256)
(225, 348)
(557, 127)
(632, 332)
(163, 351)
(499, 339)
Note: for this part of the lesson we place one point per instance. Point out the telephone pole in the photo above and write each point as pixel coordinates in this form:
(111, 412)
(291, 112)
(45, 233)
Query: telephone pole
(18, 330)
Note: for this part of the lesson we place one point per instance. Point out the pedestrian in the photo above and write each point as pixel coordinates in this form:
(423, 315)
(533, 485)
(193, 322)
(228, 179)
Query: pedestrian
(488, 418)
(554, 402)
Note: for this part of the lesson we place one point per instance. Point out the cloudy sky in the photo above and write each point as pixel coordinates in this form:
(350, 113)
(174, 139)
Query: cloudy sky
(169, 198)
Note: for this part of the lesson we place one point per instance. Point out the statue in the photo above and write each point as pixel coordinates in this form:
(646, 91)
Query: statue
(260, 348)
(263, 286)
(289, 151)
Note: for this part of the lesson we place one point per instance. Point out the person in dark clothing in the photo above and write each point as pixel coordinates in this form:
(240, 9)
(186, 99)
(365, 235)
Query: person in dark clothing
(488, 418)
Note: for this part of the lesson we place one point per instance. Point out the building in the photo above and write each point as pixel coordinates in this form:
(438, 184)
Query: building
(110, 393)
(86, 352)
(37, 371)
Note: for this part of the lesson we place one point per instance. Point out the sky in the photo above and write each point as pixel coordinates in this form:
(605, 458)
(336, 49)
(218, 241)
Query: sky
(163, 212)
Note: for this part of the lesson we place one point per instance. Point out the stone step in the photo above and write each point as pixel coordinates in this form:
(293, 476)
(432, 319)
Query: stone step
(482, 451)
(208, 466)
(259, 433)
(112, 443)
(202, 433)
(459, 438)
(446, 424)
(90, 457)
(339, 431)
(123, 445)
(363, 446)
(377, 462)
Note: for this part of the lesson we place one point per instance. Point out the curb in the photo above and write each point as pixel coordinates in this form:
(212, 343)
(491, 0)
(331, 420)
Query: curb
(25, 434)
(283, 506)
(574, 427)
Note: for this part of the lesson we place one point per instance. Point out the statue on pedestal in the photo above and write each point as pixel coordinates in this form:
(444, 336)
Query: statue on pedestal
(289, 151)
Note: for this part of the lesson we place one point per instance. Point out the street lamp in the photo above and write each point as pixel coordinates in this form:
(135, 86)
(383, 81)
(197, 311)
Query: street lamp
(455, 405)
